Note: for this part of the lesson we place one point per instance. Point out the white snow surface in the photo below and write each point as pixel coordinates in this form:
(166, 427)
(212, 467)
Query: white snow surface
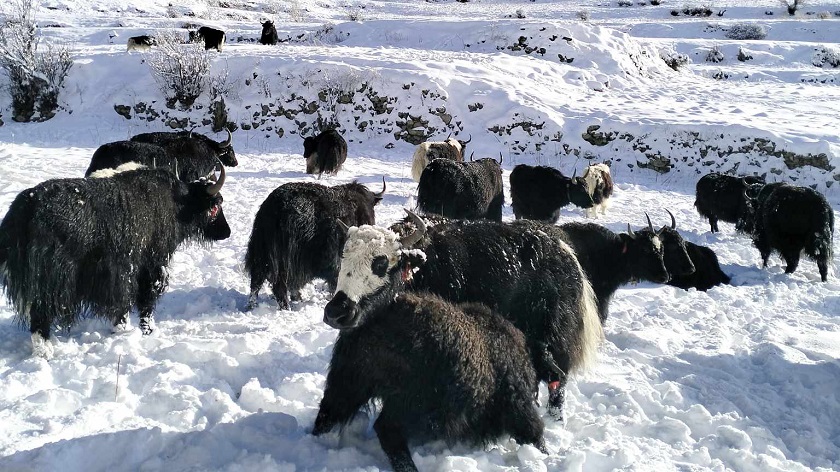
(742, 377)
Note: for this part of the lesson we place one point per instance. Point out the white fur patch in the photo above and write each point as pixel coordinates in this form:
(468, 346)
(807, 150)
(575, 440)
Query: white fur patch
(364, 243)
(592, 176)
(419, 160)
(657, 243)
(42, 347)
(107, 173)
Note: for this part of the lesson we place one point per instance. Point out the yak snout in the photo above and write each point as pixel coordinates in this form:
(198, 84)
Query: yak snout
(340, 312)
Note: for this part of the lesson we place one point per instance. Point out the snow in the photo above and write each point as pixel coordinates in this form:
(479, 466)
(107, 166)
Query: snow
(742, 377)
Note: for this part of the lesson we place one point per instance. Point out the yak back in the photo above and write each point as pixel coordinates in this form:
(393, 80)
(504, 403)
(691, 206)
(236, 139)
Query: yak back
(462, 190)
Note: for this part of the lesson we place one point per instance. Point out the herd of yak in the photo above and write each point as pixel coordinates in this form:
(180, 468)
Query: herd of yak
(451, 318)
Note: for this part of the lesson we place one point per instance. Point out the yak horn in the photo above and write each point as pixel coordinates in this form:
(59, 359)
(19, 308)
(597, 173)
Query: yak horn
(630, 232)
(673, 220)
(447, 138)
(226, 143)
(382, 193)
(467, 141)
(215, 188)
(471, 155)
(343, 225)
(650, 225)
(501, 158)
(411, 239)
(574, 173)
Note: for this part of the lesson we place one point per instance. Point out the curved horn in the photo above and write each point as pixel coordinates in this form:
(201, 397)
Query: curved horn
(226, 143)
(650, 225)
(467, 141)
(574, 173)
(214, 189)
(382, 193)
(191, 131)
(411, 239)
(673, 220)
(471, 155)
(447, 138)
(501, 158)
(343, 225)
(630, 232)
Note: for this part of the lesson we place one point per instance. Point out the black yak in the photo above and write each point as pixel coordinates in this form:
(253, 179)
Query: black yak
(791, 220)
(269, 34)
(611, 260)
(702, 271)
(519, 271)
(213, 38)
(462, 190)
(108, 157)
(721, 197)
(442, 371)
(452, 149)
(538, 192)
(324, 153)
(98, 246)
(297, 236)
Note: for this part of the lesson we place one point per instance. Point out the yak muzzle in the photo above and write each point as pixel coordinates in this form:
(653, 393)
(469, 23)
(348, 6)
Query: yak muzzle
(340, 312)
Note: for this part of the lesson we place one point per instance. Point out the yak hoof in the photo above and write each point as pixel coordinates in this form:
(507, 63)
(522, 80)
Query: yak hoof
(147, 327)
(121, 327)
(42, 347)
(556, 413)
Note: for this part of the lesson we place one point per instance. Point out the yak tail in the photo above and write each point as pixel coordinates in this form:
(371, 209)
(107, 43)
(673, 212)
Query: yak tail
(593, 331)
(419, 161)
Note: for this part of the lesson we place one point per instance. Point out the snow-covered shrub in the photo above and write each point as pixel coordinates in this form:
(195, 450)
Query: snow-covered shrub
(35, 76)
(714, 55)
(826, 55)
(180, 70)
(583, 15)
(673, 59)
(744, 31)
(744, 55)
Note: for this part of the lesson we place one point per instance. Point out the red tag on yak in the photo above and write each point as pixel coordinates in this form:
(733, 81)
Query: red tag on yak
(552, 386)
(406, 273)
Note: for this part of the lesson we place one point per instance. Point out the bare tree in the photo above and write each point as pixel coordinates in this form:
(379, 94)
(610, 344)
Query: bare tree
(180, 70)
(35, 77)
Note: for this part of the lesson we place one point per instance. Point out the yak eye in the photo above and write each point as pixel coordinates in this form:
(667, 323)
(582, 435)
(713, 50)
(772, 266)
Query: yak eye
(379, 266)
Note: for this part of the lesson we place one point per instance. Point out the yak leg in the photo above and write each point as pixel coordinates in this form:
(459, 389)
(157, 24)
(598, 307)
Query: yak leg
(527, 426)
(557, 386)
(256, 285)
(281, 292)
(393, 441)
(39, 326)
(341, 401)
(822, 264)
(151, 282)
(764, 249)
(792, 260)
(713, 222)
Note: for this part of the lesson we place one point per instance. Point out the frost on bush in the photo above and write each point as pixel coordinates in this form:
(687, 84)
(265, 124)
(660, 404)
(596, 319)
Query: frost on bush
(714, 55)
(180, 70)
(35, 76)
(673, 59)
(826, 56)
(744, 31)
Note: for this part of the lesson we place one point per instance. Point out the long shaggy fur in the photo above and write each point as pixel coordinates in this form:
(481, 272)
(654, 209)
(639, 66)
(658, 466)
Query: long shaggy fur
(538, 193)
(721, 197)
(791, 220)
(113, 155)
(462, 190)
(325, 153)
(611, 260)
(443, 371)
(425, 153)
(599, 185)
(76, 247)
(707, 273)
(197, 154)
(296, 236)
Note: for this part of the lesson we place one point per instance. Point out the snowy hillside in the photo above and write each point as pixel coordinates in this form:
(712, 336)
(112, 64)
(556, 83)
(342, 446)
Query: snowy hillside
(742, 377)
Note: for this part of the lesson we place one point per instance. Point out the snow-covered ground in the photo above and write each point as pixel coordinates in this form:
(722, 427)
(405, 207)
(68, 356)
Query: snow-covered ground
(743, 377)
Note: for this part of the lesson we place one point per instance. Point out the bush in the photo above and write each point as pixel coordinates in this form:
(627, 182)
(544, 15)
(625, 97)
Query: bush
(714, 55)
(826, 55)
(180, 70)
(35, 77)
(673, 59)
(746, 31)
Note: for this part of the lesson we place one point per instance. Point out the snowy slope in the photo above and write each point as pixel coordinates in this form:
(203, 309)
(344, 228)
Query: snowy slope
(743, 377)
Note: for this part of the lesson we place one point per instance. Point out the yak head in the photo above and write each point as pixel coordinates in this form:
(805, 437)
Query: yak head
(224, 151)
(645, 253)
(578, 193)
(202, 208)
(375, 265)
(748, 206)
(677, 260)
